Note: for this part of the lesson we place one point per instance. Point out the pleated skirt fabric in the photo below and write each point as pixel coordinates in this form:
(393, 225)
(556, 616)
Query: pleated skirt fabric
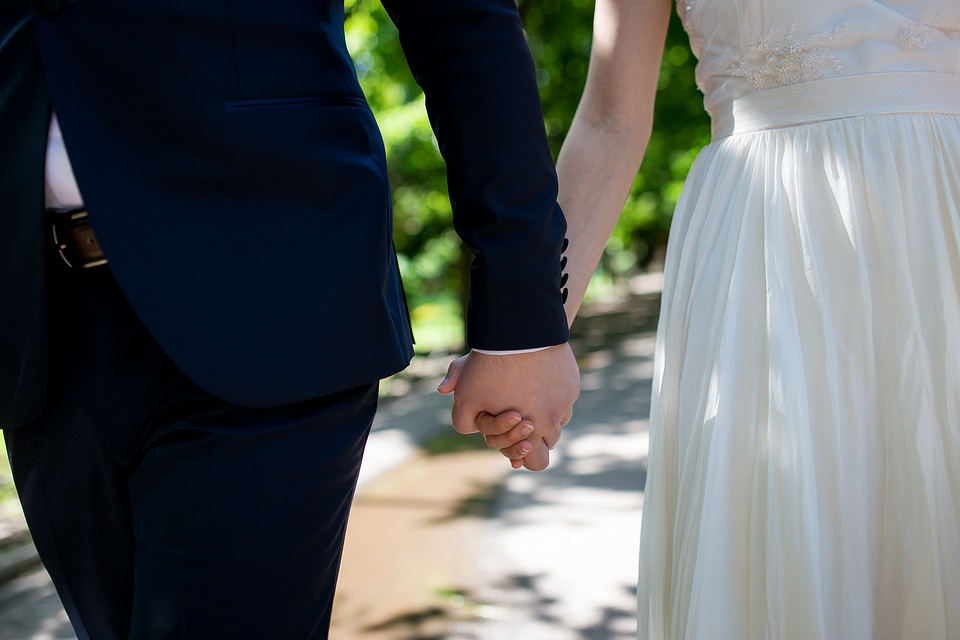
(804, 465)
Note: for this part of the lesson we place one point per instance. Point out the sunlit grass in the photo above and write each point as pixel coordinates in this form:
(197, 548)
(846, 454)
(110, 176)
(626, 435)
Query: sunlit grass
(452, 442)
(7, 490)
(437, 325)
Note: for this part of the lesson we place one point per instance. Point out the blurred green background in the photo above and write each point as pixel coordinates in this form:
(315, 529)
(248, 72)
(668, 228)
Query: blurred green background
(559, 32)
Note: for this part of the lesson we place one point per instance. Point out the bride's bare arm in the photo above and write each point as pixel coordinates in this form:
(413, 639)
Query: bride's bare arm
(610, 130)
(599, 159)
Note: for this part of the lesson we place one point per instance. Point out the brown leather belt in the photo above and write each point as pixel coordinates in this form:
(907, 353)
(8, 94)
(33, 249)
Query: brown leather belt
(74, 240)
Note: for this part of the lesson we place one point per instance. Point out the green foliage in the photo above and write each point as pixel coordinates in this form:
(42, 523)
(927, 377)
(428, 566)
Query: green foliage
(428, 249)
(681, 128)
(450, 441)
(7, 490)
(559, 34)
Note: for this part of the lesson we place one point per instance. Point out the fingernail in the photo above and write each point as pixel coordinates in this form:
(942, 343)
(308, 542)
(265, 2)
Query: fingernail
(525, 449)
(514, 420)
(526, 429)
(443, 382)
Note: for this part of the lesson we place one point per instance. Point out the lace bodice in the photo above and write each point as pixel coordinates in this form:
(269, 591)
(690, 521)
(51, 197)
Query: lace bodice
(748, 45)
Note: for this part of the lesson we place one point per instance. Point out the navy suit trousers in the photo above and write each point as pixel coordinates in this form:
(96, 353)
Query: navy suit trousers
(161, 511)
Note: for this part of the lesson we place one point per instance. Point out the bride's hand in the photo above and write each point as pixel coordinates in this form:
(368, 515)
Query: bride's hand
(507, 433)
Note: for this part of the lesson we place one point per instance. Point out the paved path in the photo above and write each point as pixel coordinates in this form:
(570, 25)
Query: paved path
(454, 545)
(545, 556)
(565, 565)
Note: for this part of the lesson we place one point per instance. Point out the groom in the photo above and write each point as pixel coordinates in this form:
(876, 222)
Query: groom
(198, 290)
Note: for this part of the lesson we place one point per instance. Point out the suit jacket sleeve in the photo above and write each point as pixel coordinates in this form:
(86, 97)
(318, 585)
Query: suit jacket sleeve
(473, 64)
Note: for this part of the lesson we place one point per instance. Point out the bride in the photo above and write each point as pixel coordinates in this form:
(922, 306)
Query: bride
(804, 469)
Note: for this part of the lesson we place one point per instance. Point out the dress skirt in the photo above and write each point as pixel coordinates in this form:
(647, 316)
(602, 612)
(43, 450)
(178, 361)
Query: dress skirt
(804, 466)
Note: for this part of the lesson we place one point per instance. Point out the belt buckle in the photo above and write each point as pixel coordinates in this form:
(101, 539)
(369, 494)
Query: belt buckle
(75, 241)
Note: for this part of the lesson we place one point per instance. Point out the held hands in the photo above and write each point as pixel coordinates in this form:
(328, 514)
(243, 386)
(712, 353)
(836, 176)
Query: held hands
(519, 402)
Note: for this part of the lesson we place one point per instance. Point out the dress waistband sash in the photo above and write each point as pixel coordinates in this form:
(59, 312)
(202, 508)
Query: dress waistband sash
(835, 98)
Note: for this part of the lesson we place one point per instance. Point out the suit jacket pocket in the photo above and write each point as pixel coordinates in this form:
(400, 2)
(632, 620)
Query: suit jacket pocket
(295, 102)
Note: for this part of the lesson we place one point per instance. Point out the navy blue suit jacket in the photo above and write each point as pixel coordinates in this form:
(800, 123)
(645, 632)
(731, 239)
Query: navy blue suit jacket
(236, 180)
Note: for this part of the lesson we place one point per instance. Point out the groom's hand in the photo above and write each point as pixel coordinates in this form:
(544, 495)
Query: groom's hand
(541, 386)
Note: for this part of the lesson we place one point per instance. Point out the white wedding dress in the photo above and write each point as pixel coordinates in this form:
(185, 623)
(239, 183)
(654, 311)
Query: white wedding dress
(804, 469)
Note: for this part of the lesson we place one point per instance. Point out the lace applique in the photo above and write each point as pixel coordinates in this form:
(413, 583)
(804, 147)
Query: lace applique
(686, 8)
(791, 61)
(920, 34)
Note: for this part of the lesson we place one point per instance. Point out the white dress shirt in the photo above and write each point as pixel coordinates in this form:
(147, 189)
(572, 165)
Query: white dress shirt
(61, 188)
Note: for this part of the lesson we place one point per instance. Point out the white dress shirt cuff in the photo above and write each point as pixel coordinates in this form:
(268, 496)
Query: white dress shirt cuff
(511, 352)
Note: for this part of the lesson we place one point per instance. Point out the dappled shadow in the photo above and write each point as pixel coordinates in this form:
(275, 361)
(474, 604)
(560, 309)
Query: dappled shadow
(602, 325)
(478, 504)
(526, 593)
(415, 625)
(30, 609)
(605, 445)
(569, 537)
(559, 548)
(449, 441)
(474, 615)
(606, 629)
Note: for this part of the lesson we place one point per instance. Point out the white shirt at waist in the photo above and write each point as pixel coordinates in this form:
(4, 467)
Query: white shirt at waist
(61, 189)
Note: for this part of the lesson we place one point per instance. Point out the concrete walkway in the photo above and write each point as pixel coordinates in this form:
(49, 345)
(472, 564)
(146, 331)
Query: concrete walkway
(459, 546)
(447, 542)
